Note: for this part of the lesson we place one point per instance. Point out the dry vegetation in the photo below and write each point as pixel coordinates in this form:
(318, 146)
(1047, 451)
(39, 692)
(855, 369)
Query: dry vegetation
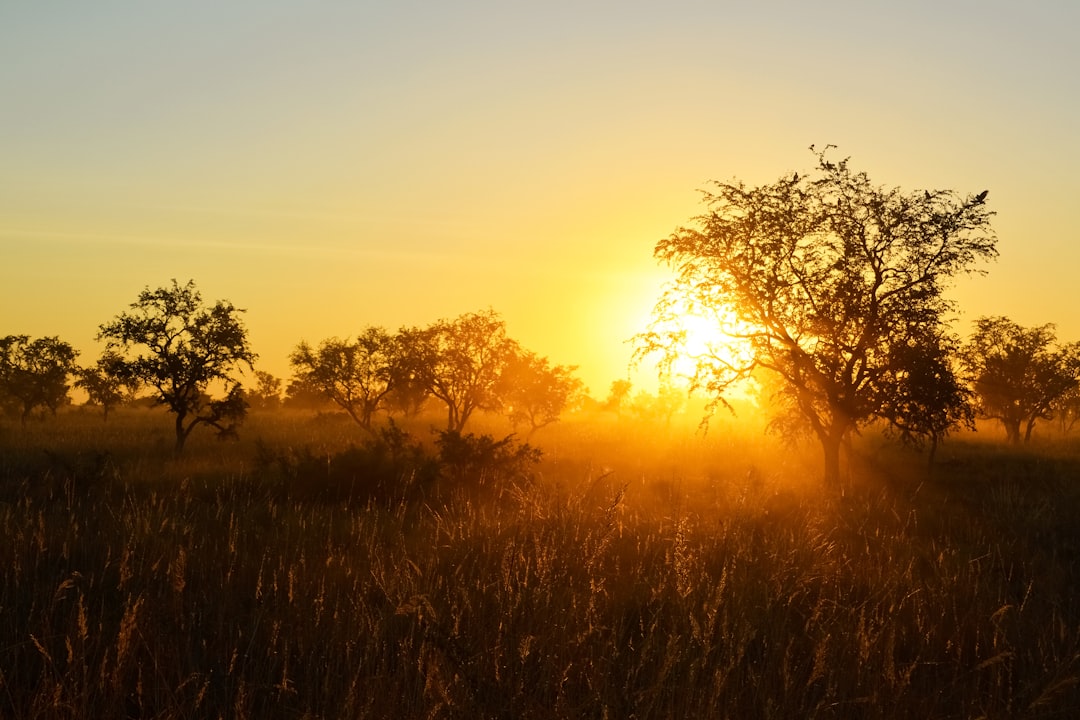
(639, 571)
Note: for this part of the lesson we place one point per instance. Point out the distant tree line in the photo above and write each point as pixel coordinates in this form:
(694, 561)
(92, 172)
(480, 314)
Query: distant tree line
(172, 344)
(175, 347)
(837, 285)
(466, 364)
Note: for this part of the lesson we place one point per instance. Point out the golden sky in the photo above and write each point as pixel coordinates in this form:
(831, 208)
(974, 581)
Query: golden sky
(330, 165)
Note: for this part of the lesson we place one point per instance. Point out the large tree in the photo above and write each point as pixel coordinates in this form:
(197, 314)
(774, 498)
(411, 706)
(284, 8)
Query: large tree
(461, 362)
(34, 373)
(827, 276)
(355, 375)
(1019, 374)
(183, 349)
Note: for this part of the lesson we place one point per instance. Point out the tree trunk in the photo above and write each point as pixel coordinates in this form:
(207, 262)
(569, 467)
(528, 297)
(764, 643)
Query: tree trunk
(1028, 430)
(181, 435)
(363, 420)
(1012, 431)
(830, 444)
(463, 417)
(832, 439)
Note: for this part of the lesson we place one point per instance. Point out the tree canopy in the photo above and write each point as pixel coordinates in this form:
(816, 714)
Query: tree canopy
(536, 392)
(835, 284)
(108, 382)
(34, 373)
(1020, 374)
(461, 362)
(356, 375)
(175, 344)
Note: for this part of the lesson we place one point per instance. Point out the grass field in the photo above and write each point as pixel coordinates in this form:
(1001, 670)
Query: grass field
(636, 572)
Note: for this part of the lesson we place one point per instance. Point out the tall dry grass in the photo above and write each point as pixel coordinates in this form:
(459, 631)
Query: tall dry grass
(641, 572)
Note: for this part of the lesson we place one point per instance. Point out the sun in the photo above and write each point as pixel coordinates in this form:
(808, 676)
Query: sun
(707, 342)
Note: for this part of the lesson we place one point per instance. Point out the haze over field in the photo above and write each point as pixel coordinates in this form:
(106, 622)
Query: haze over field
(333, 165)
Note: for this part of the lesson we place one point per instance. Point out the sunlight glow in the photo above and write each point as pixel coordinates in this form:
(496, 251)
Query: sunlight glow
(710, 341)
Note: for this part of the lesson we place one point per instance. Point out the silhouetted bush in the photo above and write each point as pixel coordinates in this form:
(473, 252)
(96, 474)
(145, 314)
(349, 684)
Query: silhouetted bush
(387, 469)
(393, 467)
(484, 460)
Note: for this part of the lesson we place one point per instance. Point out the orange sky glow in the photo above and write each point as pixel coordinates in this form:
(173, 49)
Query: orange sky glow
(334, 165)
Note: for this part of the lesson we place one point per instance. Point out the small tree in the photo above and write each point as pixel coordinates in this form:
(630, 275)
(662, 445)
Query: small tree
(300, 393)
(826, 275)
(535, 392)
(173, 343)
(108, 383)
(618, 396)
(663, 406)
(926, 399)
(356, 376)
(1066, 408)
(266, 395)
(1019, 374)
(460, 362)
(35, 373)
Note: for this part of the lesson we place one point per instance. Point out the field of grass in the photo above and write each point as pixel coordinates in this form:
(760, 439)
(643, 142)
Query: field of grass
(636, 572)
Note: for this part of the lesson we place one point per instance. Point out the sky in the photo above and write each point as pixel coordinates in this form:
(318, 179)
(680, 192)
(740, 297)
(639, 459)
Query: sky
(330, 165)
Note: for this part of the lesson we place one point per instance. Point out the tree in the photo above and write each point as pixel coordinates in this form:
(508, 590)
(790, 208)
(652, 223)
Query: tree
(668, 400)
(1019, 374)
(535, 392)
(356, 376)
(107, 383)
(408, 395)
(460, 362)
(34, 373)
(826, 275)
(173, 343)
(618, 396)
(301, 394)
(1067, 407)
(266, 395)
(925, 397)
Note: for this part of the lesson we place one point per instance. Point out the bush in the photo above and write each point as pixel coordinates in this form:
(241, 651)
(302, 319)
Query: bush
(483, 459)
(394, 467)
(387, 469)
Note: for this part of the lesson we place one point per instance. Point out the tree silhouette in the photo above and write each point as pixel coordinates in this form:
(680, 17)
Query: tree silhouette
(170, 341)
(34, 373)
(536, 392)
(1019, 373)
(618, 396)
(460, 362)
(924, 397)
(356, 376)
(108, 383)
(668, 400)
(827, 276)
(1066, 408)
(300, 393)
(266, 395)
